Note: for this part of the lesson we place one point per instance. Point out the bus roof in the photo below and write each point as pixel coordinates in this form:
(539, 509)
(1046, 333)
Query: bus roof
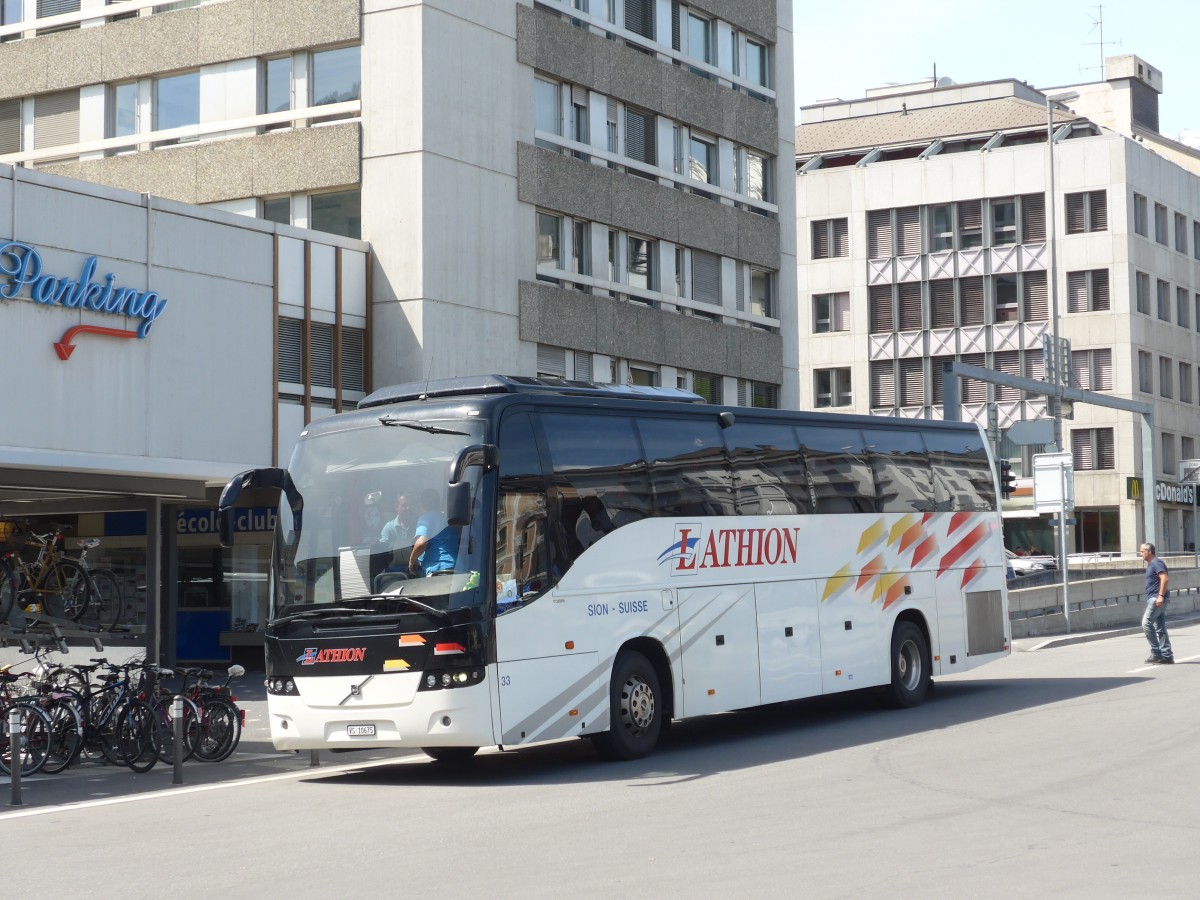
(518, 384)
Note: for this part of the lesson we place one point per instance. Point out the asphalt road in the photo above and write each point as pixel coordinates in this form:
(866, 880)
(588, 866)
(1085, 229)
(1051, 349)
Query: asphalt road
(1061, 772)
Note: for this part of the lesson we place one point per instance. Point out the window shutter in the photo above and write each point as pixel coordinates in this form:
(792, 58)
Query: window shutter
(970, 216)
(841, 312)
(743, 388)
(912, 382)
(676, 44)
(1035, 365)
(10, 126)
(1106, 457)
(908, 228)
(352, 359)
(910, 306)
(291, 350)
(1102, 370)
(883, 384)
(1075, 214)
(56, 7)
(1077, 292)
(1036, 306)
(1033, 219)
(879, 233)
(1100, 289)
(941, 303)
(740, 287)
(881, 308)
(639, 136)
(1080, 370)
(841, 238)
(1099, 210)
(639, 17)
(321, 343)
(706, 277)
(936, 364)
(820, 239)
(583, 365)
(970, 299)
(974, 390)
(56, 120)
(1007, 363)
(551, 362)
(1081, 450)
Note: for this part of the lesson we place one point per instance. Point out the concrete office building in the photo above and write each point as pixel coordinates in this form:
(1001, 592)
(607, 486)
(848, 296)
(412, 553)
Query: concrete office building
(581, 188)
(925, 220)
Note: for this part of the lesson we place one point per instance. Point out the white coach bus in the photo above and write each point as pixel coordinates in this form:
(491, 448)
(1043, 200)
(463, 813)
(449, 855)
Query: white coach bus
(594, 561)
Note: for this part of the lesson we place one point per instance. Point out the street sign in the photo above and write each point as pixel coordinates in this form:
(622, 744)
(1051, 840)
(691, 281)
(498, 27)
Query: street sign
(1053, 482)
(1189, 471)
(1056, 360)
(1032, 431)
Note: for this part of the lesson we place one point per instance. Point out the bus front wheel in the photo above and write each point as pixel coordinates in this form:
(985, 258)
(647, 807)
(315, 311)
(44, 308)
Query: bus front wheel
(635, 709)
(450, 754)
(910, 666)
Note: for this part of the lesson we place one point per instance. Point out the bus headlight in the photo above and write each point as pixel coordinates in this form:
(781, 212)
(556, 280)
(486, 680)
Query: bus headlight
(450, 678)
(282, 687)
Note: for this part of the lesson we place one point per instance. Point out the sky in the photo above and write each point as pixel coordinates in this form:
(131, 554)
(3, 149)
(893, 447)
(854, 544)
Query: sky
(842, 50)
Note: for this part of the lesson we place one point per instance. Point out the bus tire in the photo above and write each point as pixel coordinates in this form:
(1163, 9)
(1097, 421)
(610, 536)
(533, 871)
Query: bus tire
(450, 754)
(910, 665)
(635, 709)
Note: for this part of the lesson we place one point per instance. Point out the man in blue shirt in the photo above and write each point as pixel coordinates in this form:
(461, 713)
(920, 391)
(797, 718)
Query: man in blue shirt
(1154, 622)
(436, 543)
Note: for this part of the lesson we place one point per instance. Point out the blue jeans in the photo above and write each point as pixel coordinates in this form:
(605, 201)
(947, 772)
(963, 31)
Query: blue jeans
(1155, 626)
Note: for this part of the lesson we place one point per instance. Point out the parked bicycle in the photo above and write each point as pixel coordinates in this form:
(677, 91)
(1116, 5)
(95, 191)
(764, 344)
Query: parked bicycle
(48, 582)
(107, 605)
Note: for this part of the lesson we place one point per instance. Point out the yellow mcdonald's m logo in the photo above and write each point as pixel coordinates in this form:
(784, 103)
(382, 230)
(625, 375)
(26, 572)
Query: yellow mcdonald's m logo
(1133, 488)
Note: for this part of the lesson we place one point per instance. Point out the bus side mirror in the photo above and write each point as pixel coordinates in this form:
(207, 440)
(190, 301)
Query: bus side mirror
(254, 482)
(458, 504)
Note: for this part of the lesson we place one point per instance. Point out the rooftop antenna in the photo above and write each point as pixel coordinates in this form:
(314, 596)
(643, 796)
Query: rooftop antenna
(1098, 25)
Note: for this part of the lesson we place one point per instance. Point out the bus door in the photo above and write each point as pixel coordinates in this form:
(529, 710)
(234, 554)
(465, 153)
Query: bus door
(719, 631)
(789, 640)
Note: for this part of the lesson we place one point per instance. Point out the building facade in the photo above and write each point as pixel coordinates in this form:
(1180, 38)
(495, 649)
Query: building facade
(590, 189)
(927, 227)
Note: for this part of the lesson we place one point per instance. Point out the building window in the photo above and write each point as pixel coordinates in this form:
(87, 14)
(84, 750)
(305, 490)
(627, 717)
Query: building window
(1142, 283)
(1091, 370)
(581, 250)
(277, 87)
(831, 387)
(831, 312)
(702, 160)
(1092, 449)
(1185, 383)
(970, 224)
(580, 130)
(758, 394)
(549, 230)
(1181, 233)
(941, 228)
(701, 40)
(830, 238)
(639, 17)
(1139, 215)
(1033, 218)
(547, 113)
(1167, 445)
(1004, 222)
(760, 178)
(1196, 240)
(1187, 448)
(1087, 291)
(10, 126)
(291, 350)
(640, 268)
(883, 384)
(1165, 369)
(10, 14)
(337, 213)
(879, 234)
(1164, 300)
(176, 102)
(336, 76)
(123, 109)
(1005, 288)
(758, 64)
(640, 136)
(707, 386)
(278, 210)
(912, 382)
(880, 308)
(1182, 311)
(56, 120)
(1145, 372)
(762, 293)
(706, 277)
(1160, 223)
(1087, 211)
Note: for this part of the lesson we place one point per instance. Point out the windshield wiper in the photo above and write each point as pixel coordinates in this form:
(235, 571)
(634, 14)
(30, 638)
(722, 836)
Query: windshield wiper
(424, 607)
(321, 613)
(419, 426)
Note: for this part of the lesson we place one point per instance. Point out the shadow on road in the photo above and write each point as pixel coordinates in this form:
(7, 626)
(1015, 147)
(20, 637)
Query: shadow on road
(713, 744)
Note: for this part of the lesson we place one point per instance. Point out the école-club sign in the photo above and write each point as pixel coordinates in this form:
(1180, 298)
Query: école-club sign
(23, 276)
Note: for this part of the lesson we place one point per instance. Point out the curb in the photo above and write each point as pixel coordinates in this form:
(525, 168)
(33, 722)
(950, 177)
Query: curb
(1030, 645)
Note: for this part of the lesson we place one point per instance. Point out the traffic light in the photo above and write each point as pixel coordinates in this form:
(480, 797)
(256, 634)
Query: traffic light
(1008, 481)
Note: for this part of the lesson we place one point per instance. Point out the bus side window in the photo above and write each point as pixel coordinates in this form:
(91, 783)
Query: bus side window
(521, 568)
(768, 472)
(839, 472)
(903, 482)
(689, 472)
(962, 476)
(599, 477)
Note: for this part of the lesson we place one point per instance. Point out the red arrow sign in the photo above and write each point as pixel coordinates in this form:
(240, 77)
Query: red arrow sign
(65, 348)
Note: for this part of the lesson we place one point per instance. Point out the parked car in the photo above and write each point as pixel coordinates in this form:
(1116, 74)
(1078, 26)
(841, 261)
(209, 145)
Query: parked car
(1025, 564)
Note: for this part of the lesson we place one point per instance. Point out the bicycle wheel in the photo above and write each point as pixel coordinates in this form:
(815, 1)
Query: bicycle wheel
(107, 606)
(166, 725)
(66, 736)
(138, 735)
(67, 589)
(34, 744)
(220, 730)
(8, 589)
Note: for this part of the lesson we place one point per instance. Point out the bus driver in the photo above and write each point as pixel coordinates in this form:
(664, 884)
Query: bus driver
(436, 541)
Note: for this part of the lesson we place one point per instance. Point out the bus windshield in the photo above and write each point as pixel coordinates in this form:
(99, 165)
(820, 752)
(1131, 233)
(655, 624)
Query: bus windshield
(366, 533)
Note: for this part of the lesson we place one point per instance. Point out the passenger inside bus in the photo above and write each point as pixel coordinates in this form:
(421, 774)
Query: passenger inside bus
(592, 523)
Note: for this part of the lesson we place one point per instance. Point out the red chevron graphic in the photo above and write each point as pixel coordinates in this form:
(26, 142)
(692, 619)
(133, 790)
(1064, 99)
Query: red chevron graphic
(924, 550)
(972, 572)
(911, 536)
(869, 571)
(973, 537)
(958, 520)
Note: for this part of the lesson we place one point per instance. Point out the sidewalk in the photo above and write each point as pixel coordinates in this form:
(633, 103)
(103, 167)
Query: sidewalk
(1048, 642)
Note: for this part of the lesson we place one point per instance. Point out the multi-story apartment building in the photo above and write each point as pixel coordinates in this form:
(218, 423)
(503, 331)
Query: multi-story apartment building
(587, 189)
(926, 226)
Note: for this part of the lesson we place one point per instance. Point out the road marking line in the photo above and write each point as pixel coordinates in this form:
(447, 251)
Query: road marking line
(1149, 666)
(306, 772)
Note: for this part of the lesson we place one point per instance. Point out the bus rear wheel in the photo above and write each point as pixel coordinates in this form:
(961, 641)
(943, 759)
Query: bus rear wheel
(910, 666)
(450, 754)
(635, 709)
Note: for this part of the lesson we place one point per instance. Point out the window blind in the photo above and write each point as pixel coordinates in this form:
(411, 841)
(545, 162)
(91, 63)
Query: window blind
(706, 277)
(352, 359)
(880, 300)
(291, 350)
(321, 346)
(1036, 304)
(970, 300)
(908, 229)
(941, 303)
(10, 126)
(910, 306)
(1033, 218)
(56, 120)
(551, 362)
(879, 233)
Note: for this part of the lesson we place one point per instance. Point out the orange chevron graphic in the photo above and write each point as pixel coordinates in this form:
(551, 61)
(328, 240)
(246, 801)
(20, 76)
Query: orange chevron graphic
(900, 529)
(836, 582)
(924, 550)
(870, 535)
(972, 572)
(869, 571)
(911, 536)
(957, 520)
(895, 590)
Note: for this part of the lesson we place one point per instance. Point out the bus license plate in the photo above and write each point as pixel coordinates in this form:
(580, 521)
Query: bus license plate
(360, 731)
